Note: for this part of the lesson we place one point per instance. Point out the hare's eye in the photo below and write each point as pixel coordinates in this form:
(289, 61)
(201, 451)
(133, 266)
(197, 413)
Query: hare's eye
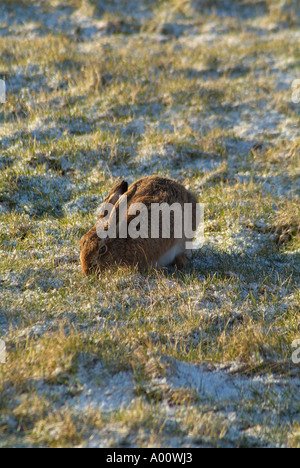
(103, 250)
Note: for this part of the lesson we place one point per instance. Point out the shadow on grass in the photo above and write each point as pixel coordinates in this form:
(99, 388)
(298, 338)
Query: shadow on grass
(275, 269)
(231, 8)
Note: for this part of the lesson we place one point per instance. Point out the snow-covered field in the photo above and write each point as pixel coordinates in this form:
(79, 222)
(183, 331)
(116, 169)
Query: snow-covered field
(201, 91)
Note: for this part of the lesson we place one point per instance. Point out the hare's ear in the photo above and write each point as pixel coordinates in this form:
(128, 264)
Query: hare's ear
(116, 192)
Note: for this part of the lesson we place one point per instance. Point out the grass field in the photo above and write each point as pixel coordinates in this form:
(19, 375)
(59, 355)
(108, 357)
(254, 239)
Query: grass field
(195, 90)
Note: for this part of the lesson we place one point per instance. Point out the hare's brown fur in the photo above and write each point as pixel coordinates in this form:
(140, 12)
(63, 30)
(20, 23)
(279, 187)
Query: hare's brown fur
(141, 252)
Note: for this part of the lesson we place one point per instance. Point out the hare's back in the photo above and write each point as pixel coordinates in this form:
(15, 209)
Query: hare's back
(154, 189)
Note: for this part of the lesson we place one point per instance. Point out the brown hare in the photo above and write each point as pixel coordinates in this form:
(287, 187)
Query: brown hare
(99, 252)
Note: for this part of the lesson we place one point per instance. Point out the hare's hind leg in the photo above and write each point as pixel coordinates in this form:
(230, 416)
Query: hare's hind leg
(180, 261)
(168, 258)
